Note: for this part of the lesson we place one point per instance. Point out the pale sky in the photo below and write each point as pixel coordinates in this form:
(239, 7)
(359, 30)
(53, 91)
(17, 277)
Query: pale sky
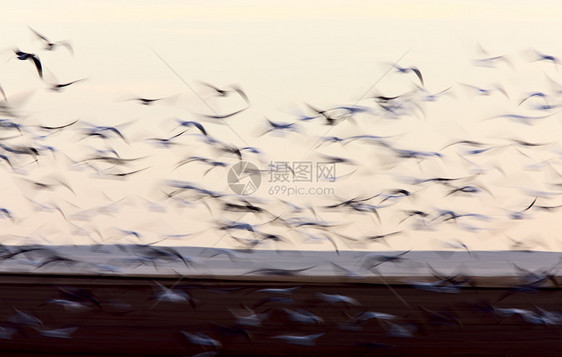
(283, 54)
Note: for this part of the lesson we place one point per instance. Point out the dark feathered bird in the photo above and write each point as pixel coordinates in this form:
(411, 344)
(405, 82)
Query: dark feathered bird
(410, 69)
(188, 123)
(23, 56)
(57, 87)
(223, 116)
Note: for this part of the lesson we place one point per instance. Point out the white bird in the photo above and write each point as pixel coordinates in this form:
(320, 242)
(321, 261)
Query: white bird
(367, 315)
(506, 312)
(283, 291)
(171, 295)
(56, 333)
(201, 339)
(544, 318)
(397, 330)
(69, 305)
(307, 340)
(334, 299)
(249, 317)
(303, 316)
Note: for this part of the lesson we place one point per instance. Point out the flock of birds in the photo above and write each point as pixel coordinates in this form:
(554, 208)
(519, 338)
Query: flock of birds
(297, 315)
(461, 187)
(459, 190)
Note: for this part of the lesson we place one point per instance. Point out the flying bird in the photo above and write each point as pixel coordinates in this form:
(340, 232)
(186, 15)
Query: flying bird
(65, 332)
(201, 339)
(303, 316)
(539, 56)
(23, 56)
(223, 116)
(57, 87)
(167, 142)
(223, 92)
(336, 299)
(307, 340)
(190, 123)
(149, 101)
(486, 91)
(416, 71)
(280, 127)
(49, 45)
(59, 127)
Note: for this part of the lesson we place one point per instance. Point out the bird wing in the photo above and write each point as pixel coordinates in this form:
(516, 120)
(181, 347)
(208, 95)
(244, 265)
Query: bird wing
(39, 35)
(37, 65)
(418, 74)
(67, 45)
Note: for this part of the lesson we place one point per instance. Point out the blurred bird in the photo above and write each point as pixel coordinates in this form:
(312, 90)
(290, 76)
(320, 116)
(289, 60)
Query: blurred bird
(56, 333)
(49, 46)
(415, 70)
(165, 294)
(201, 339)
(307, 340)
(223, 92)
(335, 299)
(23, 56)
(57, 87)
(538, 56)
(303, 316)
(280, 127)
(189, 123)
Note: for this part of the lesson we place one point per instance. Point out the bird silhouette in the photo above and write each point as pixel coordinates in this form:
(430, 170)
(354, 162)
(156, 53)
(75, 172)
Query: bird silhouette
(49, 45)
(24, 56)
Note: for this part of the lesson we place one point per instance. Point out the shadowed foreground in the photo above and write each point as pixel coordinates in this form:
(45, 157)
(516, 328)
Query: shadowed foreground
(120, 316)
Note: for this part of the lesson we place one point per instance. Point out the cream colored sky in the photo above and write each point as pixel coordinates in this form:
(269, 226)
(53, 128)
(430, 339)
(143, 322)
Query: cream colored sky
(300, 49)
(143, 11)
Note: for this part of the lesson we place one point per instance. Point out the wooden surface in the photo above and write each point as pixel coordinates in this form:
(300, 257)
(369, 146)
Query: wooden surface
(127, 320)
